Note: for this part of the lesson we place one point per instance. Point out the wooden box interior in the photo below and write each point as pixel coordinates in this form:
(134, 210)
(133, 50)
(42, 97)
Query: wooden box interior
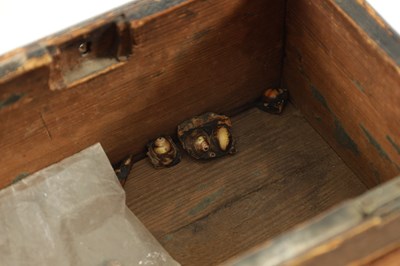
(337, 138)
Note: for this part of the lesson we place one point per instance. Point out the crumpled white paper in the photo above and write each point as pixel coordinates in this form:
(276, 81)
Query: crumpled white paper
(74, 213)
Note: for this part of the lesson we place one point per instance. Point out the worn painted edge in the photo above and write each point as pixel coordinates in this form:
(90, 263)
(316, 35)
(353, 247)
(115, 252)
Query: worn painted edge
(31, 57)
(300, 242)
(145, 8)
(37, 54)
(385, 37)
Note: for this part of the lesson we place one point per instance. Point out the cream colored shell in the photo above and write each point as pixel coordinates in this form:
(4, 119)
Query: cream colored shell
(223, 138)
(202, 144)
(162, 146)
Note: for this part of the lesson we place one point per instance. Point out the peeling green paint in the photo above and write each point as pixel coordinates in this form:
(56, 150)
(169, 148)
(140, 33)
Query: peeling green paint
(147, 8)
(157, 74)
(318, 118)
(358, 85)
(394, 144)
(385, 37)
(9, 67)
(199, 35)
(202, 187)
(303, 73)
(11, 100)
(20, 177)
(205, 202)
(168, 237)
(344, 139)
(257, 173)
(36, 51)
(319, 97)
(374, 143)
(377, 176)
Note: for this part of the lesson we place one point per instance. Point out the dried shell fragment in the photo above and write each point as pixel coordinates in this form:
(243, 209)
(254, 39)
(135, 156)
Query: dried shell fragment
(124, 169)
(223, 138)
(201, 144)
(163, 152)
(274, 100)
(207, 136)
(162, 146)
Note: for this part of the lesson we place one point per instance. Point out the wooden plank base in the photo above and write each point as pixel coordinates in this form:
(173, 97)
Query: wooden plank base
(204, 213)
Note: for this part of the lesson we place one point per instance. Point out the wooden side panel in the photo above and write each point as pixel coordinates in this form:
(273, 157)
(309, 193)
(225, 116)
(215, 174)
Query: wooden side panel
(391, 258)
(358, 246)
(362, 231)
(347, 84)
(194, 57)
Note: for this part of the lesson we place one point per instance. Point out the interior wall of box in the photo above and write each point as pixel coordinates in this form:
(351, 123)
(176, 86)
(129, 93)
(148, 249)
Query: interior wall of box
(204, 56)
(188, 57)
(340, 72)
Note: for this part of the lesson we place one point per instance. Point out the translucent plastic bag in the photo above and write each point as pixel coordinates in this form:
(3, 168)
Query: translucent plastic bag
(74, 213)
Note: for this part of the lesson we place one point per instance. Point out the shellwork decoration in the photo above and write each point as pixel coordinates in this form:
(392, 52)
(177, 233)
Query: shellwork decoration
(163, 152)
(274, 100)
(207, 136)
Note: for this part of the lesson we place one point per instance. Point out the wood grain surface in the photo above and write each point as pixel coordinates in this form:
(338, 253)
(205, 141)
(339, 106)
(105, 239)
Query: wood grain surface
(193, 57)
(371, 243)
(346, 84)
(391, 258)
(204, 213)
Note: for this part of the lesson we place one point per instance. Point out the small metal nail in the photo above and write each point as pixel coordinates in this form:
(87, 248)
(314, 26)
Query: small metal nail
(84, 48)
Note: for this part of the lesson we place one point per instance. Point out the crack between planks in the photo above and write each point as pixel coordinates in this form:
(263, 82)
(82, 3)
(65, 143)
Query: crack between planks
(284, 41)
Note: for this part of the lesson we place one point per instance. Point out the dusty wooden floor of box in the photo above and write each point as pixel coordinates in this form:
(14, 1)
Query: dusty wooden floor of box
(283, 174)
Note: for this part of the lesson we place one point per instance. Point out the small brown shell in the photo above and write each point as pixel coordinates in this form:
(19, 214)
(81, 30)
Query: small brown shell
(274, 100)
(201, 144)
(163, 152)
(162, 146)
(123, 170)
(207, 136)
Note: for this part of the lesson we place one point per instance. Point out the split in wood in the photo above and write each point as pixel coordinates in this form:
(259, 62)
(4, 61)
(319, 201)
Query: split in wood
(163, 152)
(207, 136)
(274, 100)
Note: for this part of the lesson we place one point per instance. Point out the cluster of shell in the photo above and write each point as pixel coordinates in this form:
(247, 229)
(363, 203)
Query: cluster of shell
(274, 100)
(203, 137)
(209, 135)
(163, 152)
